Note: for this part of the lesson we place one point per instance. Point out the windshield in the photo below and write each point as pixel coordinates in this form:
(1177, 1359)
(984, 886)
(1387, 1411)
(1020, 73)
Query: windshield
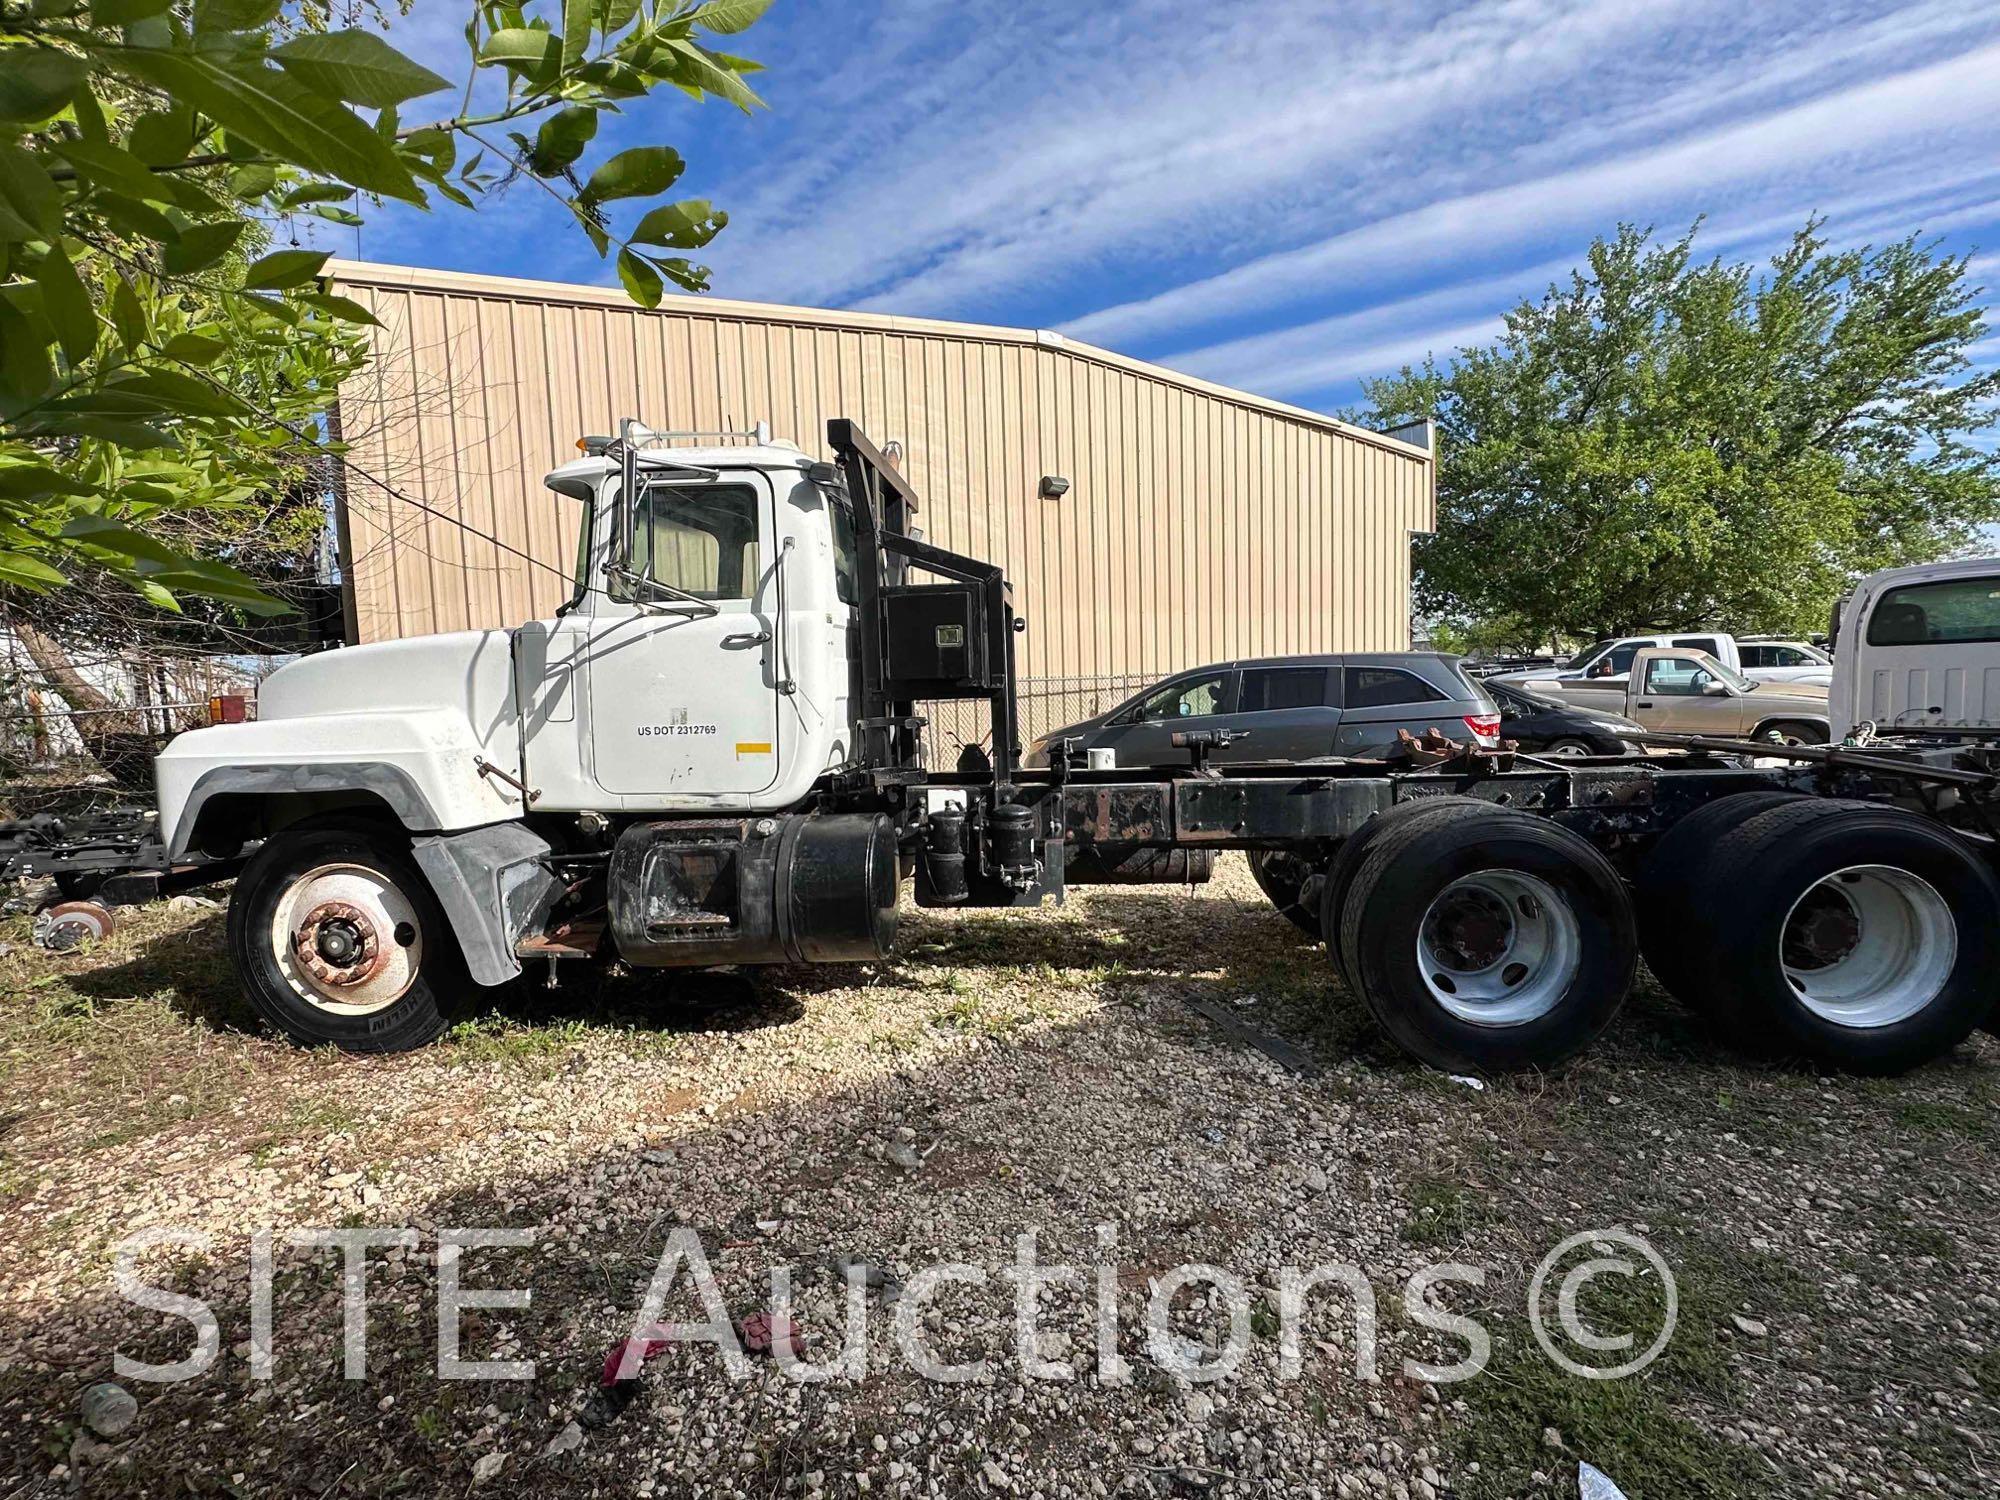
(1583, 658)
(1518, 699)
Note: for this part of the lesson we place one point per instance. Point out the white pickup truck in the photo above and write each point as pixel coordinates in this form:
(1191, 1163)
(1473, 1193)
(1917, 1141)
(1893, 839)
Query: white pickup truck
(1609, 662)
(1920, 649)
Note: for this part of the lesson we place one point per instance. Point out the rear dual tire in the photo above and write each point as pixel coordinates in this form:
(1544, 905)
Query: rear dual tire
(1481, 939)
(1857, 936)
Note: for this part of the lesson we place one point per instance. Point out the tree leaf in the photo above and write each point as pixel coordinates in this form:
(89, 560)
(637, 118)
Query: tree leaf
(687, 225)
(202, 245)
(67, 305)
(280, 114)
(699, 69)
(103, 531)
(528, 50)
(37, 82)
(346, 309)
(31, 481)
(233, 15)
(194, 348)
(29, 572)
(561, 139)
(357, 66)
(576, 31)
(126, 12)
(156, 596)
(163, 137)
(253, 182)
(642, 282)
(105, 165)
(316, 192)
(26, 371)
(27, 197)
(128, 316)
(282, 269)
(729, 16)
(637, 173)
(134, 217)
(136, 436)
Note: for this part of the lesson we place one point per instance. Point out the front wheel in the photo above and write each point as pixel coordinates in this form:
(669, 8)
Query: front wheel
(339, 940)
(1791, 733)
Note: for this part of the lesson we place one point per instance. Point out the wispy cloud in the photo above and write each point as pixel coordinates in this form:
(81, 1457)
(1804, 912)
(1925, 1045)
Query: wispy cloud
(1874, 129)
(1286, 196)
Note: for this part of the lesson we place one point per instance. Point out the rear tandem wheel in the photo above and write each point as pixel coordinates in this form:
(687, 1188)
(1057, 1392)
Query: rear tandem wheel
(1486, 940)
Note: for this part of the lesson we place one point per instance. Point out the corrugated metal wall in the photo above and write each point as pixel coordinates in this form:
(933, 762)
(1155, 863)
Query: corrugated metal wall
(1201, 523)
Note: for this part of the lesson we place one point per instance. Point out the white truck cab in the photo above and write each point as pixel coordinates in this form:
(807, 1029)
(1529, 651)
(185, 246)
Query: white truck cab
(711, 674)
(1919, 647)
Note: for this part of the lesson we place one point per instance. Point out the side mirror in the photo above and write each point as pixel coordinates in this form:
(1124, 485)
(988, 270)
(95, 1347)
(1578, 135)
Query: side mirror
(1715, 690)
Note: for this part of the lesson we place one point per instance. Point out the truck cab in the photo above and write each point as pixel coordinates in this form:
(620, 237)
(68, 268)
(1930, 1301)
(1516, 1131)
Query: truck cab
(1919, 648)
(704, 756)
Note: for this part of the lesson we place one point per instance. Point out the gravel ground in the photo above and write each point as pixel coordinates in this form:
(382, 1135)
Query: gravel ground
(1835, 1243)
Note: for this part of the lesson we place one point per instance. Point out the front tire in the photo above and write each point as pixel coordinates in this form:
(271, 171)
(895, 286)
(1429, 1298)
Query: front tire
(1792, 732)
(339, 940)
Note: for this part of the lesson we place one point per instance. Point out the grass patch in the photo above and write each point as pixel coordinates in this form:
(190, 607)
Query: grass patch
(1938, 1118)
(1648, 1431)
(1443, 1212)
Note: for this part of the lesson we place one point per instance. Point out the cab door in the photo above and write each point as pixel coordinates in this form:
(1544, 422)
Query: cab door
(1669, 691)
(681, 668)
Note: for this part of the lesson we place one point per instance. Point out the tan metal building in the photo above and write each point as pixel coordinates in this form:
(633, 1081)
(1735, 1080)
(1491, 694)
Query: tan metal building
(1201, 523)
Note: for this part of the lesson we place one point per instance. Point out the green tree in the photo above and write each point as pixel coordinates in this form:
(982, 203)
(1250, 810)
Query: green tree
(161, 367)
(1665, 443)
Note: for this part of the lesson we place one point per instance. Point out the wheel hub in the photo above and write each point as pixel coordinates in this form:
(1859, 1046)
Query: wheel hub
(1868, 946)
(347, 938)
(1499, 947)
(1473, 932)
(1824, 931)
(338, 945)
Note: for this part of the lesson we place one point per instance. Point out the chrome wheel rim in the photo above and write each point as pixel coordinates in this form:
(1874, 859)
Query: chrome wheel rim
(1499, 947)
(347, 939)
(1868, 946)
(1567, 750)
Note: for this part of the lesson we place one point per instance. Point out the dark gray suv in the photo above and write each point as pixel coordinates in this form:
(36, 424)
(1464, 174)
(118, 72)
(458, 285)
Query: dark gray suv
(1290, 708)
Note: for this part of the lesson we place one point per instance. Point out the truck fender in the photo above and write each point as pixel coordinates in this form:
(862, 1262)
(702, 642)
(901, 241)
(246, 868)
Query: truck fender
(495, 886)
(390, 785)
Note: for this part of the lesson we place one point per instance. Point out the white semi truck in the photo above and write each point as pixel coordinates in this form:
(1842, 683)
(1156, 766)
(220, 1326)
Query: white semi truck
(712, 755)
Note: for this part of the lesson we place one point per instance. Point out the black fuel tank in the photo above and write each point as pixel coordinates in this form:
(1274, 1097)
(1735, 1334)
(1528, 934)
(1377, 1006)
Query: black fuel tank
(797, 889)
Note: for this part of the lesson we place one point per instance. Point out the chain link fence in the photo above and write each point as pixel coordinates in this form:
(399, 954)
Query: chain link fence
(1045, 703)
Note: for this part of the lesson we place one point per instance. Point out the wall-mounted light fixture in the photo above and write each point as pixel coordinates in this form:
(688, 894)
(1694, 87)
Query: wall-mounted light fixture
(1053, 487)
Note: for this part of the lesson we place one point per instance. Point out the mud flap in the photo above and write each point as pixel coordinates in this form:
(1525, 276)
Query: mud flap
(496, 888)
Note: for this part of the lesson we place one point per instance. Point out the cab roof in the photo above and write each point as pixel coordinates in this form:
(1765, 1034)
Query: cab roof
(776, 455)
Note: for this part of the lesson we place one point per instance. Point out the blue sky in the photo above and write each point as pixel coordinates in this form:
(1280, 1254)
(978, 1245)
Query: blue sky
(1283, 195)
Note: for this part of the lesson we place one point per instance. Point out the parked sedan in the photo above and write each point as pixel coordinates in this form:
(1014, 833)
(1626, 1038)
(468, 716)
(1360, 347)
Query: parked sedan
(1548, 726)
(1290, 708)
